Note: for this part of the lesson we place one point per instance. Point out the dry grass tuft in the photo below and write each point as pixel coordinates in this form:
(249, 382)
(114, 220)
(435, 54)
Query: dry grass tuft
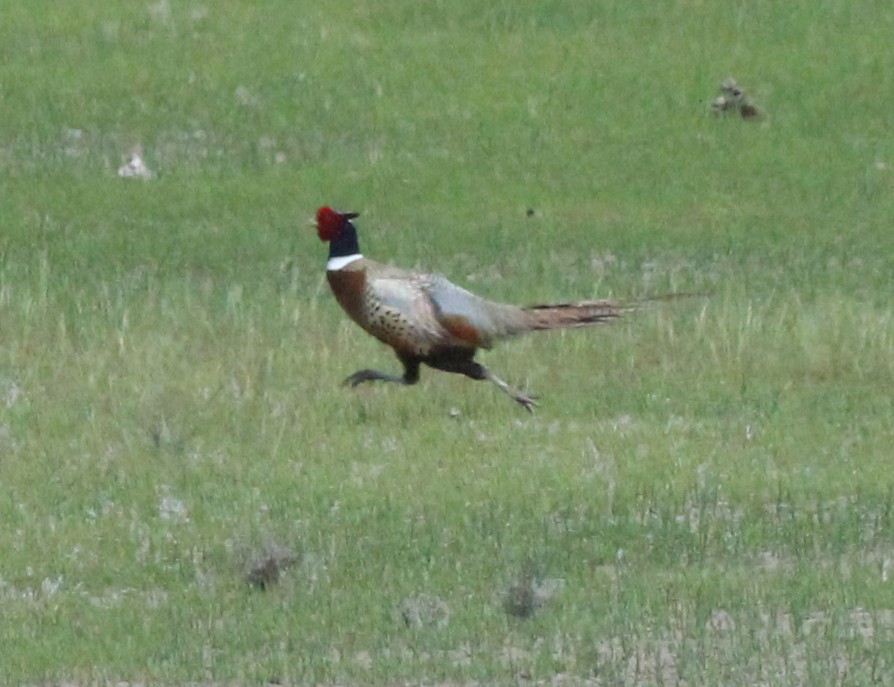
(529, 593)
(265, 568)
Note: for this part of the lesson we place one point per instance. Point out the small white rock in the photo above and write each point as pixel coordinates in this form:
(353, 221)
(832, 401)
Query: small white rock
(135, 168)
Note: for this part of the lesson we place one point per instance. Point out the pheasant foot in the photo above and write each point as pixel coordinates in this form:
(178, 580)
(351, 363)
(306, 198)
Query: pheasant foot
(524, 400)
(367, 375)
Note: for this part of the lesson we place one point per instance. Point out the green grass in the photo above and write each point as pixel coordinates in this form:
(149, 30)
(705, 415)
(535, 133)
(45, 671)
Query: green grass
(706, 489)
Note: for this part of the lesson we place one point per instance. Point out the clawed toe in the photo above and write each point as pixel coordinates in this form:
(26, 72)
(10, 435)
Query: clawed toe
(525, 401)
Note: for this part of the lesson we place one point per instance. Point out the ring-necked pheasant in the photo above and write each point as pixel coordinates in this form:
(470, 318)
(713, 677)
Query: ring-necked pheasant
(426, 319)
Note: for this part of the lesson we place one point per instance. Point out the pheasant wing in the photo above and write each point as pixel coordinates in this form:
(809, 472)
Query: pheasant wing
(470, 318)
(400, 294)
(404, 303)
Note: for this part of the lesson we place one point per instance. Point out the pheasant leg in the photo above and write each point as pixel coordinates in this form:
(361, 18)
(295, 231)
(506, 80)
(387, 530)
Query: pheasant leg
(466, 366)
(525, 401)
(362, 376)
(411, 374)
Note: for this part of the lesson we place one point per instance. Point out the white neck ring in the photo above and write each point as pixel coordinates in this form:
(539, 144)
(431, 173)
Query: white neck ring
(334, 264)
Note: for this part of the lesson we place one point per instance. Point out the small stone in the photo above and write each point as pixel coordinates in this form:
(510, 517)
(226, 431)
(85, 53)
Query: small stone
(134, 167)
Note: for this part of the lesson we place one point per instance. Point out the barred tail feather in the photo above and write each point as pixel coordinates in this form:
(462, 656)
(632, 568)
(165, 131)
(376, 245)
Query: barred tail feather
(583, 314)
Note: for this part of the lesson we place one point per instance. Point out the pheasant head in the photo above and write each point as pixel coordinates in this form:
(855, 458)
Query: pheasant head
(336, 229)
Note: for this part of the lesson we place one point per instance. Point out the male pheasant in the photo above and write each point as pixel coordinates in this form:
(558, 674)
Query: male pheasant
(426, 319)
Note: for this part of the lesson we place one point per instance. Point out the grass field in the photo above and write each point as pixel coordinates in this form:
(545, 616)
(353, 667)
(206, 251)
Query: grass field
(189, 497)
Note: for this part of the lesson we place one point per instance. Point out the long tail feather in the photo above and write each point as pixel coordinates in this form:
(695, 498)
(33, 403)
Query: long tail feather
(586, 313)
(560, 315)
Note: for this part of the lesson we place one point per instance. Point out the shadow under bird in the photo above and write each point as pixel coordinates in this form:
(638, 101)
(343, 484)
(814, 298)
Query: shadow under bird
(427, 319)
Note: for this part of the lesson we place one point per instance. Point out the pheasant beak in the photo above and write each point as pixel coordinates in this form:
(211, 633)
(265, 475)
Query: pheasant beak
(313, 222)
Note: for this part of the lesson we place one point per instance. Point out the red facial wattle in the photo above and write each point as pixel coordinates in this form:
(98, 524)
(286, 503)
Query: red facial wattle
(329, 223)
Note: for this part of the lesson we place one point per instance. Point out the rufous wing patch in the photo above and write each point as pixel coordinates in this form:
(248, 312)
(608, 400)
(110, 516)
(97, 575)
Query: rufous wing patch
(461, 328)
